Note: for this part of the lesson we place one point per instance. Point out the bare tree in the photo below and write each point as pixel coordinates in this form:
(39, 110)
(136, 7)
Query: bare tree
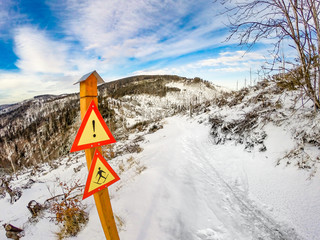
(9, 154)
(295, 21)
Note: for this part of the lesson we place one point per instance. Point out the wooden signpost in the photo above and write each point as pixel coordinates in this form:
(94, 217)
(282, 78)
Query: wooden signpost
(94, 133)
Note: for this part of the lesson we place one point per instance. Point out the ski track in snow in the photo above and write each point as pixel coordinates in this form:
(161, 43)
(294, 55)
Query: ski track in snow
(189, 198)
(191, 190)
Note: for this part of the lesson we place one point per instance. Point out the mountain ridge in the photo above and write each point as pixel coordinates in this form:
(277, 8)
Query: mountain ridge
(42, 128)
(250, 155)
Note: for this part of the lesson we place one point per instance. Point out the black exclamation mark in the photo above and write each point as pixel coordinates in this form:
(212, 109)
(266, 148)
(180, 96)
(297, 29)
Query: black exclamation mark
(94, 127)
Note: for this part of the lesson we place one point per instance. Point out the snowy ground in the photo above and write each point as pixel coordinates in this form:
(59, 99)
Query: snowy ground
(182, 186)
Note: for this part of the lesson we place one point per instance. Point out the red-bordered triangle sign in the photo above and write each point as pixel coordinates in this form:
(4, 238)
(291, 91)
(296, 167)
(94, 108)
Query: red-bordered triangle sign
(101, 175)
(93, 131)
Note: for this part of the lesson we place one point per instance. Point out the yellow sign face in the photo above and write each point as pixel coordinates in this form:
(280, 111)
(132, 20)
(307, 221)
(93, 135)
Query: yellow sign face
(101, 175)
(93, 131)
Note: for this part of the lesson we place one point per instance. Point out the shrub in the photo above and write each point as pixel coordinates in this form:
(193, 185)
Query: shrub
(108, 152)
(69, 211)
(197, 80)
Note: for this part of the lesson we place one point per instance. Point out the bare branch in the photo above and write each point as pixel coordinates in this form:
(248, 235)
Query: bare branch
(293, 20)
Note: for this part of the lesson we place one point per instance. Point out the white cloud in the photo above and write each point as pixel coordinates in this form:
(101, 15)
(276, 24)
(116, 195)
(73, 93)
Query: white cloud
(163, 71)
(8, 17)
(225, 69)
(117, 37)
(38, 53)
(45, 66)
(230, 59)
(144, 29)
(3, 15)
(108, 28)
(225, 62)
(20, 86)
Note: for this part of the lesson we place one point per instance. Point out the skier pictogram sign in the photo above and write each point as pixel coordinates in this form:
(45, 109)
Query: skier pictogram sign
(101, 175)
(93, 131)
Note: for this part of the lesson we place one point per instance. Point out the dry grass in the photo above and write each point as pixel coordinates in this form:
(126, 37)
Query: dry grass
(108, 152)
(69, 212)
(120, 222)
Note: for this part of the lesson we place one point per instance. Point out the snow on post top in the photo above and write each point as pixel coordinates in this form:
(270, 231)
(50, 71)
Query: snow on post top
(94, 72)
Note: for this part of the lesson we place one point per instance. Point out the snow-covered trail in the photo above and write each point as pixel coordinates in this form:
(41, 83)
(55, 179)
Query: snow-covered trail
(183, 187)
(182, 195)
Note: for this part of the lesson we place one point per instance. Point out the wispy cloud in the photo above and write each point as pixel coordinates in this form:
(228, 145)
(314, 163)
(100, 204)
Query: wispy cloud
(140, 28)
(3, 14)
(117, 38)
(225, 61)
(230, 59)
(38, 53)
(8, 18)
(19, 86)
(224, 69)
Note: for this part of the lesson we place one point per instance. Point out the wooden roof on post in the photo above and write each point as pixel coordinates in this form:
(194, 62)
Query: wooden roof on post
(86, 76)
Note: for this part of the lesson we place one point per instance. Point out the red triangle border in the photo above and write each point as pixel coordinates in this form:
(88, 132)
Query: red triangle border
(97, 155)
(75, 147)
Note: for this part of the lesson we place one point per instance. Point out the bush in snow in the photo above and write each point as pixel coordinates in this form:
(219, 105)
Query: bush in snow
(69, 211)
(242, 131)
(15, 193)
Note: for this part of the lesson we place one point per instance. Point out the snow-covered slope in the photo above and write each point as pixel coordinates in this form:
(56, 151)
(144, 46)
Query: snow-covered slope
(182, 186)
(195, 163)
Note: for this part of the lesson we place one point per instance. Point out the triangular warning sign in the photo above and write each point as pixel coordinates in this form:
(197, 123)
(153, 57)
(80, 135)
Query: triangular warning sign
(93, 131)
(101, 175)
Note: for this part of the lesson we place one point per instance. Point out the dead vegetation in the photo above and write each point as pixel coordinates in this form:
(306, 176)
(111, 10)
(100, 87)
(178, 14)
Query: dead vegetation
(132, 165)
(242, 131)
(268, 102)
(14, 193)
(69, 211)
(302, 159)
(156, 88)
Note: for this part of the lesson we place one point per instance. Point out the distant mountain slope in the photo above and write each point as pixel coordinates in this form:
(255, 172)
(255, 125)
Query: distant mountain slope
(33, 131)
(43, 128)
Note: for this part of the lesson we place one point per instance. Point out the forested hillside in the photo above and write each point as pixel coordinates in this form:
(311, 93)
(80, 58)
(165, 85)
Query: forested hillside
(42, 129)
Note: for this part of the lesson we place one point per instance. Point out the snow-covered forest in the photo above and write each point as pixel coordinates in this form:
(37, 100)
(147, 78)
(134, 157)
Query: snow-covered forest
(196, 161)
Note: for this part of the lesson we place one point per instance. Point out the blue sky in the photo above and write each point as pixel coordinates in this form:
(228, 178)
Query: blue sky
(46, 46)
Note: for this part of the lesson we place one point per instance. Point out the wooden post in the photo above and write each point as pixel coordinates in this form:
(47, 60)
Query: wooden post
(89, 92)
